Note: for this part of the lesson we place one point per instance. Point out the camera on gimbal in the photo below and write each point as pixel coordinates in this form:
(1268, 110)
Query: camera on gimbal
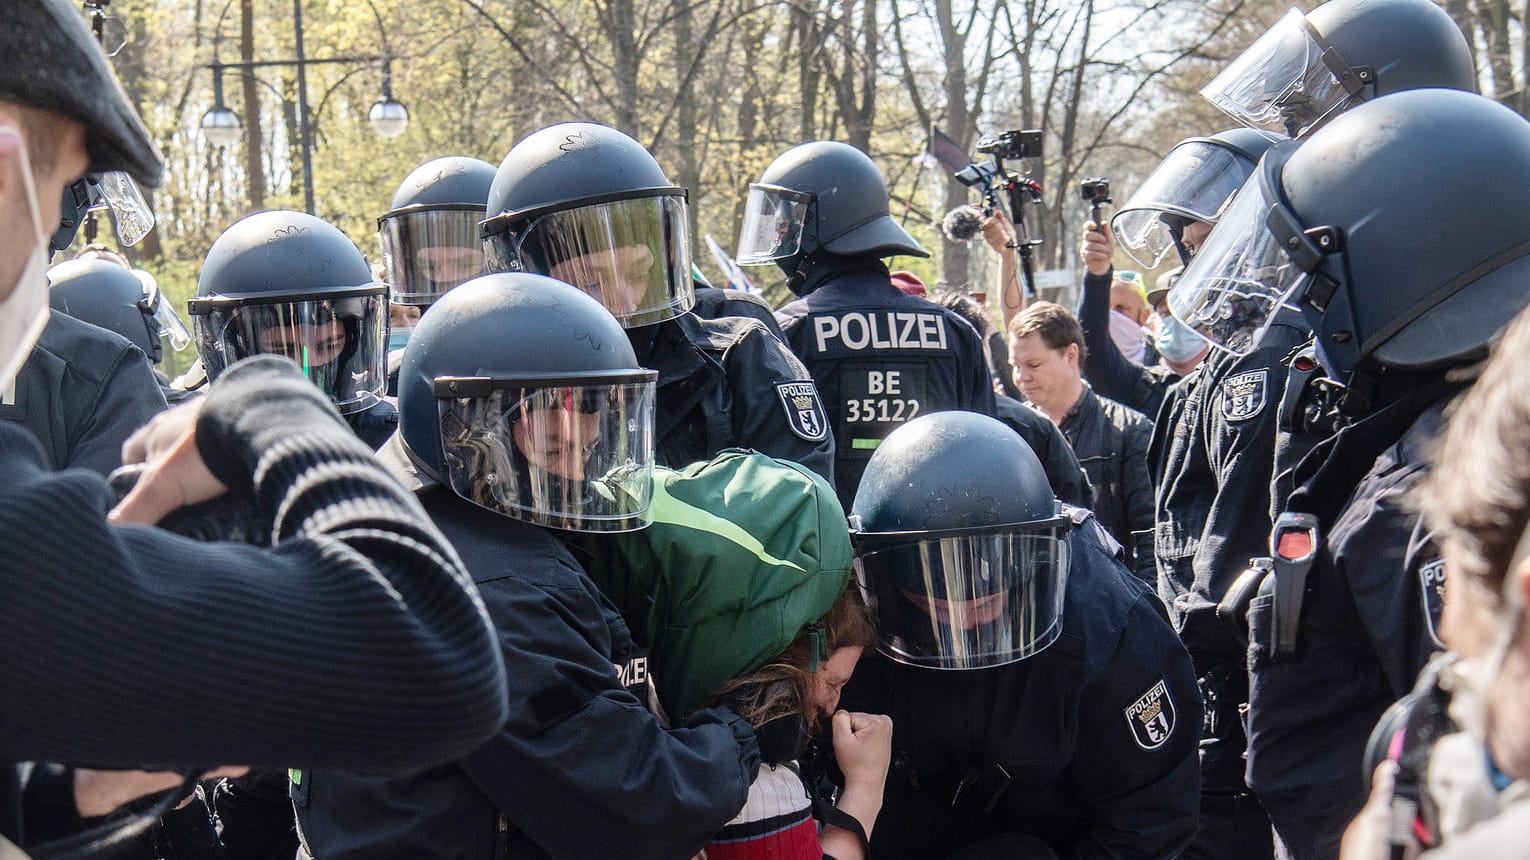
(1012, 144)
(992, 178)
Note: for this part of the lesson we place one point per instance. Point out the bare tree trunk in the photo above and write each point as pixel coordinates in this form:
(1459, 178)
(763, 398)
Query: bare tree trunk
(1495, 15)
(955, 261)
(254, 139)
(620, 28)
(810, 40)
(685, 111)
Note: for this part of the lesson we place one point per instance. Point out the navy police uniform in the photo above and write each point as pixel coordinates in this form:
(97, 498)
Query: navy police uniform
(1088, 746)
(1368, 623)
(729, 383)
(880, 358)
(581, 768)
(1212, 514)
(82, 392)
(715, 303)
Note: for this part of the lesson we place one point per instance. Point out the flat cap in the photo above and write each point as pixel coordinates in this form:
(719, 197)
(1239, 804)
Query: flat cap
(53, 63)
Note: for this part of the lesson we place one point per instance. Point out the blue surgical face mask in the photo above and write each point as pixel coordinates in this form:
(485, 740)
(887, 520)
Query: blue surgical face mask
(398, 338)
(1177, 342)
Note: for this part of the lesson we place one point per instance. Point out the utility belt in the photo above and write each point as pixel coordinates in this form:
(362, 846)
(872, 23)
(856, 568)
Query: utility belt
(1282, 576)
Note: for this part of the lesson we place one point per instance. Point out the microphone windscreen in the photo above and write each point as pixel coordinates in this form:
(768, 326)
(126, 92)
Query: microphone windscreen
(962, 223)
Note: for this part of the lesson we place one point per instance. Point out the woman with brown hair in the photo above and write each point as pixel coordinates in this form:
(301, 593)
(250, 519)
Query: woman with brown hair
(798, 692)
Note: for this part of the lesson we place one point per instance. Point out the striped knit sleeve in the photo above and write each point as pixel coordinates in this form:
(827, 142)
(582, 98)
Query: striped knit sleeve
(356, 641)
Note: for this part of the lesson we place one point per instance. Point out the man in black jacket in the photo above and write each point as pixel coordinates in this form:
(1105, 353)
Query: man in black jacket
(1048, 443)
(356, 580)
(1046, 347)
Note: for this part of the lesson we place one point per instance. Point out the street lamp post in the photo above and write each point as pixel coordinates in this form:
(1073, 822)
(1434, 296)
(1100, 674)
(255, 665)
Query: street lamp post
(388, 117)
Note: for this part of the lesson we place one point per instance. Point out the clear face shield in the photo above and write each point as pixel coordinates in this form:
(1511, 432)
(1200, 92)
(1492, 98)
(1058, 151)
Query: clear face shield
(1288, 81)
(632, 255)
(1239, 280)
(576, 457)
(429, 251)
(130, 211)
(774, 219)
(171, 326)
(967, 600)
(339, 340)
(1194, 183)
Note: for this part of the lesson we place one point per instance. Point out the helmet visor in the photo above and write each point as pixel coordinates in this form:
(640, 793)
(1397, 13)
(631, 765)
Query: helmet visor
(632, 255)
(577, 458)
(340, 343)
(1239, 279)
(1194, 183)
(1281, 82)
(171, 326)
(773, 222)
(967, 601)
(130, 212)
(429, 251)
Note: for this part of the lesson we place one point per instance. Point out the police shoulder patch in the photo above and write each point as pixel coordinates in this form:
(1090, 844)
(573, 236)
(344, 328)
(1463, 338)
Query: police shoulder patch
(1431, 578)
(1152, 717)
(1244, 395)
(804, 411)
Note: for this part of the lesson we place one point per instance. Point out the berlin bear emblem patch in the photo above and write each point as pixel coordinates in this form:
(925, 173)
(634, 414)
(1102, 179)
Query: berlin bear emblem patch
(804, 411)
(1151, 717)
(1243, 396)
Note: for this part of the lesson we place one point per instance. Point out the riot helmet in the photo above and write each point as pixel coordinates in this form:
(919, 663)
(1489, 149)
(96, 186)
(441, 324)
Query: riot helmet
(1194, 183)
(1308, 68)
(523, 395)
(429, 236)
(124, 301)
(819, 198)
(1399, 230)
(589, 206)
(287, 283)
(961, 547)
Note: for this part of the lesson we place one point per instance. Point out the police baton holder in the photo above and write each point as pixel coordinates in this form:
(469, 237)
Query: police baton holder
(1293, 548)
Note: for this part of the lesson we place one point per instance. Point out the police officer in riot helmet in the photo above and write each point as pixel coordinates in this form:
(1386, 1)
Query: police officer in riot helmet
(429, 235)
(110, 296)
(1211, 451)
(126, 301)
(1309, 68)
(880, 357)
(1175, 207)
(1397, 295)
(524, 414)
(289, 284)
(1044, 706)
(1182, 199)
(589, 205)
